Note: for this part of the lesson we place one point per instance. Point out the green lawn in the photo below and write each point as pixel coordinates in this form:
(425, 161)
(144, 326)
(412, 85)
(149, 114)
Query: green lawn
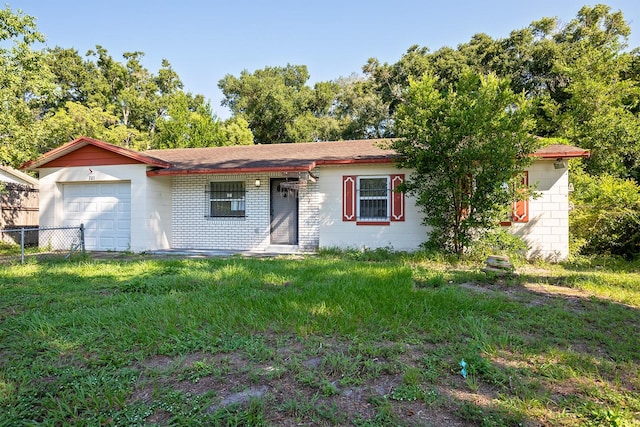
(335, 339)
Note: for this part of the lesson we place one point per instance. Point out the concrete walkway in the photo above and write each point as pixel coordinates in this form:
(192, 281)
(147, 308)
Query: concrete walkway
(207, 253)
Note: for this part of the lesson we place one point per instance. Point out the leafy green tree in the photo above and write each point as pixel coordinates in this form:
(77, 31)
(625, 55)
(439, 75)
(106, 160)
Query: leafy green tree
(189, 123)
(391, 80)
(606, 215)
(73, 77)
(269, 99)
(25, 84)
(599, 106)
(278, 104)
(236, 132)
(124, 103)
(360, 111)
(75, 119)
(463, 143)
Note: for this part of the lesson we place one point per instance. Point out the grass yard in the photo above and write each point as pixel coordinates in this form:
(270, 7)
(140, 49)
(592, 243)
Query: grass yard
(335, 339)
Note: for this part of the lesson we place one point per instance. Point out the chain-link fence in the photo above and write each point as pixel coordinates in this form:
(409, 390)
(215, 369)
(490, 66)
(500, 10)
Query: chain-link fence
(28, 243)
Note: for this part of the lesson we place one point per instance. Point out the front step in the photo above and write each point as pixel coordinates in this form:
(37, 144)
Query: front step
(283, 249)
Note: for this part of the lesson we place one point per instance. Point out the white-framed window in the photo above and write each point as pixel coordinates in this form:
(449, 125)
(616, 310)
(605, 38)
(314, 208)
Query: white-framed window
(373, 198)
(227, 199)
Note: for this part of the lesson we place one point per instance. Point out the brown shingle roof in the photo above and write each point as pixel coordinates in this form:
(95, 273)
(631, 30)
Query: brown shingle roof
(297, 157)
(272, 157)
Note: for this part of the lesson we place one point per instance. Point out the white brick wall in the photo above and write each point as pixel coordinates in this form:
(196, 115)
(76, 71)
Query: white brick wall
(191, 228)
(547, 232)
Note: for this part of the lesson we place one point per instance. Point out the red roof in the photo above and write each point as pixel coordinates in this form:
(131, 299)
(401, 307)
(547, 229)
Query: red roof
(560, 151)
(299, 157)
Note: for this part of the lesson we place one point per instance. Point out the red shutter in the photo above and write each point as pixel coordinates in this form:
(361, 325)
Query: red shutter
(520, 208)
(397, 198)
(349, 198)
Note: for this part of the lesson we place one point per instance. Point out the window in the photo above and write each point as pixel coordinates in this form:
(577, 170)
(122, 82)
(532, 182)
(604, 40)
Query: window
(372, 200)
(226, 199)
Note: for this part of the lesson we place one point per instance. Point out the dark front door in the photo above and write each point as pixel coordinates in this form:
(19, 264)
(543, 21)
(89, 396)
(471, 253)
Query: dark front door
(284, 212)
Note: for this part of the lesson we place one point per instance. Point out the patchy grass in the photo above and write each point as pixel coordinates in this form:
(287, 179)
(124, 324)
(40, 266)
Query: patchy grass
(340, 339)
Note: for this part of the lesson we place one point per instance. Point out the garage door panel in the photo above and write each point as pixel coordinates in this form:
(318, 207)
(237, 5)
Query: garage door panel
(72, 191)
(107, 207)
(87, 190)
(74, 207)
(123, 193)
(106, 224)
(107, 242)
(105, 211)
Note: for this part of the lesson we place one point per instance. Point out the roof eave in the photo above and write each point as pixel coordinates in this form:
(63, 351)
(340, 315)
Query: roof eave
(377, 160)
(270, 169)
(563, 155)
(219, 171)
(20, 175)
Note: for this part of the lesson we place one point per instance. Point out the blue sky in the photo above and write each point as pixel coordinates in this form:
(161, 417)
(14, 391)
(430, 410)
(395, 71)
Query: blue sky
(205, 40)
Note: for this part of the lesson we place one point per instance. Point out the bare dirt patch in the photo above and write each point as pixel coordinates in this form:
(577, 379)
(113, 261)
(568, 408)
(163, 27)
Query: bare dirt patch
(298, 388)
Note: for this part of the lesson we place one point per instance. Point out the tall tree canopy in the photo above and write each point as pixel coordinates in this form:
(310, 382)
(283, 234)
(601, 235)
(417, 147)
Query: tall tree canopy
(54, 95)
(25, 84)
(278, 104)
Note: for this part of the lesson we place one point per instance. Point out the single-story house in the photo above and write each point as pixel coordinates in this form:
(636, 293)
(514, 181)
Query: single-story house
(265, 197)
(18, 199)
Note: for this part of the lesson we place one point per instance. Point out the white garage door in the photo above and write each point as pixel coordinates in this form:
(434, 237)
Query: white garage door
(105, 211)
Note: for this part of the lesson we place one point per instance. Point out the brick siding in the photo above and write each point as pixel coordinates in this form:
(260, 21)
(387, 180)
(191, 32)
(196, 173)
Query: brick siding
(192, 228)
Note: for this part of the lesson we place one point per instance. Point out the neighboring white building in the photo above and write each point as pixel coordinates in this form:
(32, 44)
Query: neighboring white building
(255, 198)
(18, 198)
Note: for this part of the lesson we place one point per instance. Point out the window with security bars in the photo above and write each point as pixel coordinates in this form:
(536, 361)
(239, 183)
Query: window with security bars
(227, 199)
(373, 199)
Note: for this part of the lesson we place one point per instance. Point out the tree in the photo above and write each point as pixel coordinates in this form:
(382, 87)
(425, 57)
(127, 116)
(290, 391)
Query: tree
(25, 84)
(463, 143)
(606, 215)
(279, 106)
(75, 119)
(391, 80)
(360, 111)
(189, 123)
(598, 110)
(236, 132)
(269, 99)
